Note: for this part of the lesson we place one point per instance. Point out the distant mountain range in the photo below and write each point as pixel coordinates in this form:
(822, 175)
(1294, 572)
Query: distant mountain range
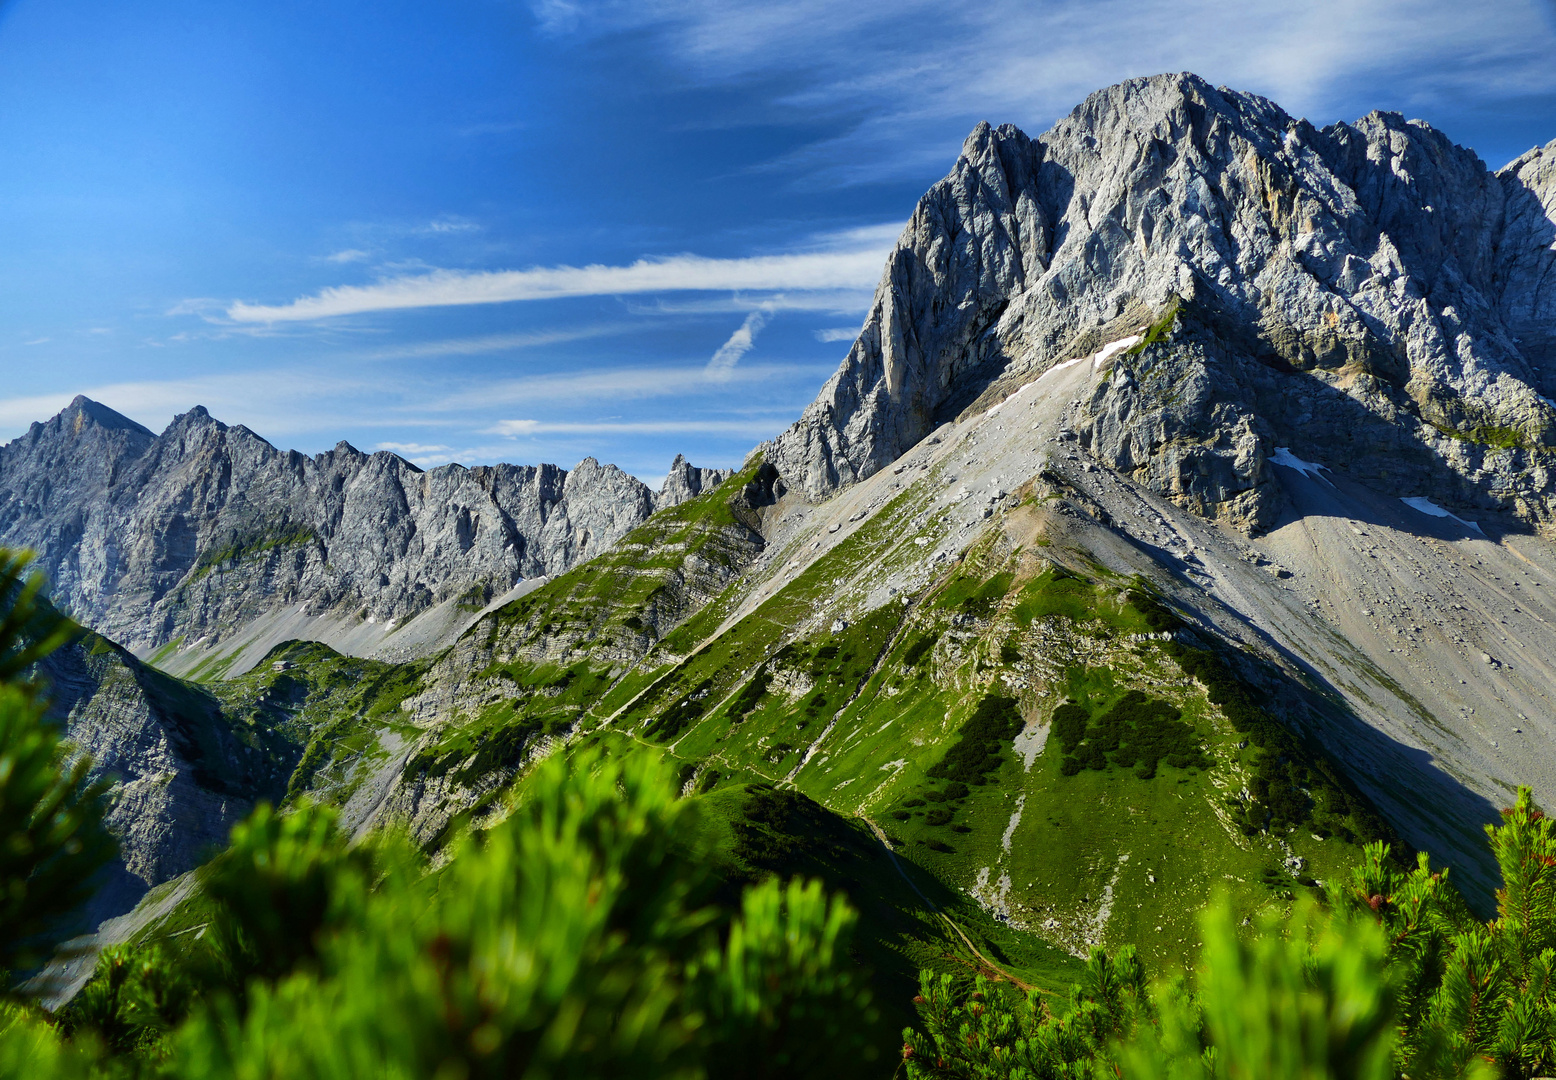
(207, 535)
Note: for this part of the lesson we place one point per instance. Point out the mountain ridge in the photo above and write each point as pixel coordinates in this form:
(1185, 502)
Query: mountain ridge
(1322, 243)
(194, 534)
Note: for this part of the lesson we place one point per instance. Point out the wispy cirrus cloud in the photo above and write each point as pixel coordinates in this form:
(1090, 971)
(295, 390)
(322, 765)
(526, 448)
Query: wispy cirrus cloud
(620, 384)
(906, 95)
(489, 343)
(846, 261)
(830, 301)
(837, 333)
(278, 402)
(753, 429)
(420, 453)
(723, 362)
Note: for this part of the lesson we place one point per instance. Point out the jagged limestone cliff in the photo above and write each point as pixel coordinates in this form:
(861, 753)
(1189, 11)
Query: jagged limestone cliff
(195, 534)
(1368, 294)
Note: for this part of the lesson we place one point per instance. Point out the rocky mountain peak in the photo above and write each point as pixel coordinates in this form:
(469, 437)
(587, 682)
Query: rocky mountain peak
(686, 481)
(1369, 294)
(207, 529)
(82, 410)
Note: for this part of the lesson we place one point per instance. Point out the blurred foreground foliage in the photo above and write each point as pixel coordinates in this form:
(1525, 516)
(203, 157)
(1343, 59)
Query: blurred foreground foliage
(1391, 976)
(570, 940)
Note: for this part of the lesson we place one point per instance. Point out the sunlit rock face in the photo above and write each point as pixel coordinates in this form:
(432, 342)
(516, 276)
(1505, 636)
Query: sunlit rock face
(192, 534)
(1368, 294)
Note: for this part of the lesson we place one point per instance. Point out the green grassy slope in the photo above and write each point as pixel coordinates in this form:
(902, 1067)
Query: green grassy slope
(862, 719)
(1025, 758)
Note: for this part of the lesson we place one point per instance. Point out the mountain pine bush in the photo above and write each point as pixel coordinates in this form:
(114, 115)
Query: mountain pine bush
(52, 840)
(574, 939)
(1393, 977)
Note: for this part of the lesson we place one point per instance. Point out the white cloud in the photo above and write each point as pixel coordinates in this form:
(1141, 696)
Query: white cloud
(723, 362)
(411, 449)
(284, 403)
(838, 333)
(754, 429)
(850, 260)
(831, 301)
(498, 342)
(276, 402)
(350, 255)
(451, 225)
(619, 384)
(203, 306)
(419, 453)
(18, 412)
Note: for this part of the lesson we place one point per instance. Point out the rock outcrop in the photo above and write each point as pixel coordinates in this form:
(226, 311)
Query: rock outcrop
(1368, 294)
(182, 773)
(686, 481)
(196, 532)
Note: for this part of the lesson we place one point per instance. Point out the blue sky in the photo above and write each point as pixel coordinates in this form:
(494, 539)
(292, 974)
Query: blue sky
(480, 230)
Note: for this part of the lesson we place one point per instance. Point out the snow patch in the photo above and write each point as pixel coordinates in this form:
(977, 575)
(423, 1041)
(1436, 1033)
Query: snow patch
(1066, 364)
(1113, 348)
(1284, 456)
(1431, 509)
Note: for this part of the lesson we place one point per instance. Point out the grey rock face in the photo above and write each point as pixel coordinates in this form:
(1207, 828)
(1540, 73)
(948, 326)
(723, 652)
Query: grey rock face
(182, 775)
(685, 481)
(1528, 245)
(195, 532)
(1369, 294)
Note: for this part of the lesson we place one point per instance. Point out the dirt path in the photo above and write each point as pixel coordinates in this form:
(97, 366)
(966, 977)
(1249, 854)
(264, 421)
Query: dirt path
(988, 966)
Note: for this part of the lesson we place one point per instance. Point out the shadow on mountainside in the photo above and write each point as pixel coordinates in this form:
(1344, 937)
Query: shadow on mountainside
(1429, 807)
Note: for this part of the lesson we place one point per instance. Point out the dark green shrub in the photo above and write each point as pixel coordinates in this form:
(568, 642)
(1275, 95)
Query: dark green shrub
(938, 816)
(1293, 783)
(685, 773)
(569, 940)
(1137, 731)
(981, 742)
(1157, 617)
(1069, 726)
(674, 720)
(750, 695)
(916, 652)
(778, 825)
(955, 790)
